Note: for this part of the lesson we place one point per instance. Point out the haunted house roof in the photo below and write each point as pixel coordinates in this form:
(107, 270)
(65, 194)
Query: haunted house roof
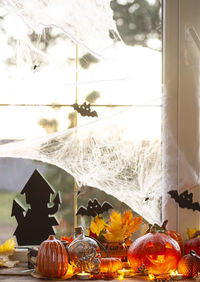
(37, 185)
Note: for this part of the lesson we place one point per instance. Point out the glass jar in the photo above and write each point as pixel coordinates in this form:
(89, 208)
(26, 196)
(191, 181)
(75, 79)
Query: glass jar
(84, 252)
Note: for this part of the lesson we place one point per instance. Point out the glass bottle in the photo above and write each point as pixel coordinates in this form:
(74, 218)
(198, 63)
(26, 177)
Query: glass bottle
(84, 252)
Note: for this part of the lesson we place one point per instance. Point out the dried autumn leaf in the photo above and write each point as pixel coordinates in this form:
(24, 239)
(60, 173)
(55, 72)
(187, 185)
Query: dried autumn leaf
(115, 235)
(132, 223)
(97, 225)
(69, 273)
(121, 228)
(8, 247)
(115, 217)
(1, 262)
(115, 231)
(6, 262)
(65, 238)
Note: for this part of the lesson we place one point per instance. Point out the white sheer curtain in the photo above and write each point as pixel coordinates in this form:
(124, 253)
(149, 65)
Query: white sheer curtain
(181, 111)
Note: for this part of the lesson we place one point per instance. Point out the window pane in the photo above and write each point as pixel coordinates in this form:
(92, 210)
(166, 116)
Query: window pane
(132, 76)
(38, 89)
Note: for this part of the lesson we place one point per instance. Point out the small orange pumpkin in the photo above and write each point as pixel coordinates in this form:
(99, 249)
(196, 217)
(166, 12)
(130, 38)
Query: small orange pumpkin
(52, 260)
(110, 265)
(189, 265)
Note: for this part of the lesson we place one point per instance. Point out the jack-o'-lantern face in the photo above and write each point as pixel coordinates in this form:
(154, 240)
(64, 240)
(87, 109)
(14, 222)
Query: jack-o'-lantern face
(159, 253)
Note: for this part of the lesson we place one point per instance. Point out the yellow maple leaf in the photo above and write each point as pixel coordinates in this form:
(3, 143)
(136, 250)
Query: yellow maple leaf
(127, 216)
(8, 247)
(132, 223)
(115, 217)
(97, 225)
(121, 228)
(69, 273)
(114, 232)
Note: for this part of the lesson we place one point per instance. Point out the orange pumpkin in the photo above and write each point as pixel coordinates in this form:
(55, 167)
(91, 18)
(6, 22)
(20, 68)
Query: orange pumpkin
(163, 229)
(175, 235)
(193, 244)
(110, 265)
(157, 252)
(189, 265)
(52, 260)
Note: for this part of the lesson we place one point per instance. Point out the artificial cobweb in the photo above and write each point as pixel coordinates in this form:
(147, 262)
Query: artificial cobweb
(88, 23)
(106, 154)
(114, 154)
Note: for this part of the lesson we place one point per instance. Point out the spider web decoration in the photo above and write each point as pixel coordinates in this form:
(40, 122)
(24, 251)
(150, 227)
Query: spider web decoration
(105, 154)
(88, 23)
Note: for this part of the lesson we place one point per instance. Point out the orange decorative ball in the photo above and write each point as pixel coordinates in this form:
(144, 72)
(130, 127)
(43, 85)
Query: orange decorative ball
(189, 265)
(52, 260)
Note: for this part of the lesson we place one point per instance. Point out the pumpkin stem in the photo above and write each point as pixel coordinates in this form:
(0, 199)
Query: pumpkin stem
(149, 229)
(51, 237)
(164, 225)
(153, 229)
(157, 228)
(194, 254)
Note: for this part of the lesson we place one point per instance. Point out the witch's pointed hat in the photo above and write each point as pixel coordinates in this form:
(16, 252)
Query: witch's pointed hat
(37, 189)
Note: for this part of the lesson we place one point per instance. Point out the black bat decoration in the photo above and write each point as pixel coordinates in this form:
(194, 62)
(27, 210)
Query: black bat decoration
(84, 110)
(94, 208)
(185, 200)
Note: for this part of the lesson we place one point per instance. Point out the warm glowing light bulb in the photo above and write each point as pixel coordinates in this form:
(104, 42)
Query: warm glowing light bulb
(151, 276)
(121, 274)
(120, 277)
(125, 273)
(175, 275)
(172, 272)
(83, 275)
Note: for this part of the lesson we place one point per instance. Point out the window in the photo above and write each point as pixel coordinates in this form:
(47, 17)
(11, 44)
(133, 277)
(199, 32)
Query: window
(39, 87)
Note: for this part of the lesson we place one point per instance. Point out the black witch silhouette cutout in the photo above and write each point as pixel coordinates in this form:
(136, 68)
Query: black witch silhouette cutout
(36, 224)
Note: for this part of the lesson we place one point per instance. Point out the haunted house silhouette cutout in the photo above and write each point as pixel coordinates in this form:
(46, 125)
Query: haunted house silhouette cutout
(36, 223)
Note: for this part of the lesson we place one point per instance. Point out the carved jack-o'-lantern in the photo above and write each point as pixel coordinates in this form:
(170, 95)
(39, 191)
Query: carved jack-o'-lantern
(159, 253)
(172, 233)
